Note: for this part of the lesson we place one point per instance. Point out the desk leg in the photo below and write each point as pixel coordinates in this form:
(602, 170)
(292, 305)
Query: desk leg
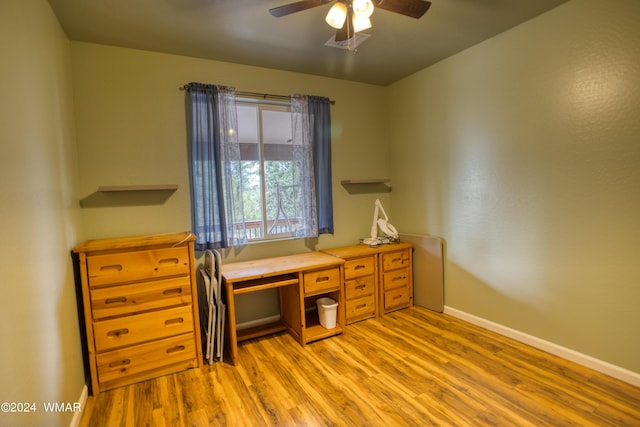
(231, 333)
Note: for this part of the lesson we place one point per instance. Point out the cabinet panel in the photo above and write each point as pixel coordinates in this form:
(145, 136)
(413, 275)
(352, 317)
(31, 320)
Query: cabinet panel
(144, 296)
(357, 288)
(359, 267)
(393, 260)
(122, 331)
(361, 308)
(397, 298)
(396, 279)
(321, 281)
(137, 265)
(134, 360)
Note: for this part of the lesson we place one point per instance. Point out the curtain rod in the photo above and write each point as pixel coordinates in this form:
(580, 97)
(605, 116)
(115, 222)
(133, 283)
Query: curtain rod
(261, 95)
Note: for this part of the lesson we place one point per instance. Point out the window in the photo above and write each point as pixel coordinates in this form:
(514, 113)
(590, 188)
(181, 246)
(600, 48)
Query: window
(266, 153)
(259, 170)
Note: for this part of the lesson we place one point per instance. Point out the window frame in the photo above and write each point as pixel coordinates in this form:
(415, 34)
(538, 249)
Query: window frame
(264, 105)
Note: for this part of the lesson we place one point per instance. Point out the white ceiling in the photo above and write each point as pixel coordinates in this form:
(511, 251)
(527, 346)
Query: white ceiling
(243, 31)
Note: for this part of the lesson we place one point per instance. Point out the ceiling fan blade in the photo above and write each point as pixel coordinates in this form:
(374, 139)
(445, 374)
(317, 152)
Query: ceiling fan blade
(298, 6)
(411, 8)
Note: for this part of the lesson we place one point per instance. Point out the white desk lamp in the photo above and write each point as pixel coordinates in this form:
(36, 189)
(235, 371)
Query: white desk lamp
(384, 225)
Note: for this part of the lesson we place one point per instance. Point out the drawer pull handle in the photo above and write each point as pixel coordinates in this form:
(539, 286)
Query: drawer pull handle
(175, 321)
(360, 287)
(396, 278)
(359, 306)
(123, 362)
(172, 291)
(322, 279)
(359, 267)
(116, 300)
(175, 349)
(169, 261)
(118, 332)
(397, 259)
(397, 296)
(114, 267)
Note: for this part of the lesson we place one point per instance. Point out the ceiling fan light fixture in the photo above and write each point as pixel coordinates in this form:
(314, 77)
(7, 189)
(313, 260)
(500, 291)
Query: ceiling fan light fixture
(361, 23)
(337, 15)
(362, 8)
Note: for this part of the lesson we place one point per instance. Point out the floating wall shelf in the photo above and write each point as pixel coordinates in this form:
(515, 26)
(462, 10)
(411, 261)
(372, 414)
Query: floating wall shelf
(128, 195)
(368, 185)
(111, 188)
(365, 181)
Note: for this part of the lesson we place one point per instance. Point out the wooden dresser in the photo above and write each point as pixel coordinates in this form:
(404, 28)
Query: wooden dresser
(377, 280)
(140, 307)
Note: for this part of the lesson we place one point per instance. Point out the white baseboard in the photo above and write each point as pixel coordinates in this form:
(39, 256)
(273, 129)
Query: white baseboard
(77, 416)
(614, 371)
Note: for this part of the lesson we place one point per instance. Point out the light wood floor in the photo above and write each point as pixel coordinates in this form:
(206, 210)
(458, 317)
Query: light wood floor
(412, 367)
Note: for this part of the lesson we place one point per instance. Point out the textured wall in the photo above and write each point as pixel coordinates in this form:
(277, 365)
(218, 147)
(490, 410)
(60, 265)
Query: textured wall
(40, 352)
(523, 152)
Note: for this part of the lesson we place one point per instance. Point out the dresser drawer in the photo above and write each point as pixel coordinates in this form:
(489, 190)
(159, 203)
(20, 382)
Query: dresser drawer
(393, 260)
(361, 308)
(397, 298)
(358, 288)
(359, 267)
(139, 359)
(122, 331)
(395, 279)
(322, 281)
(129, 299)
(137, 265)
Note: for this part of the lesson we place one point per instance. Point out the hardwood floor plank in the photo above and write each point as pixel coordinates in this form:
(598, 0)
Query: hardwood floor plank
(411, 367)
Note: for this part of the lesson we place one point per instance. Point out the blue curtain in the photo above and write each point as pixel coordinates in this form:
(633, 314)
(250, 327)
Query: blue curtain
(320, 117)
(216, 190)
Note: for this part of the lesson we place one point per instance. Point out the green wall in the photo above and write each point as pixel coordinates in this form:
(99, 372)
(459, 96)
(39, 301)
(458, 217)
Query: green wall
(523, 152)
(40, 353)
(130, 119)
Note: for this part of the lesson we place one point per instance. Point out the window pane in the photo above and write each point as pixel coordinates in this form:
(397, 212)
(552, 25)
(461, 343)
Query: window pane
(248, 136)
(252, 199)
(277, 136)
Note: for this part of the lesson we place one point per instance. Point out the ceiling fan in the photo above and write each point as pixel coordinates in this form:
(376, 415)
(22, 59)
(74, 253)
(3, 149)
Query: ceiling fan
(352, 16)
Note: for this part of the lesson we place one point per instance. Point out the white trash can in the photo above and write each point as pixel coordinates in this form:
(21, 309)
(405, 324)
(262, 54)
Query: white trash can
(327, 312)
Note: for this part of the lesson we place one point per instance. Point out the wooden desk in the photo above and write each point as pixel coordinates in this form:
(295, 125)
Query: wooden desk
(300, 280)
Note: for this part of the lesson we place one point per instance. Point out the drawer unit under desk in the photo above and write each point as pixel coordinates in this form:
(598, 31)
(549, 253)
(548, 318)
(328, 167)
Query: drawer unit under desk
(395, 279)
(359, 267)
(394, 260)
(396, 298)
(321, 281)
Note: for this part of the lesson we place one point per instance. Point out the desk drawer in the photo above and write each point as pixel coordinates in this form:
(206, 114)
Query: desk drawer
(123, 331)
(322, 281)
(358, 288)
(361, 308)
(359, 267)
(129, 299)
(397, 298)
(394, 260)
(137, 265)
(396, 279)
(131, 361)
